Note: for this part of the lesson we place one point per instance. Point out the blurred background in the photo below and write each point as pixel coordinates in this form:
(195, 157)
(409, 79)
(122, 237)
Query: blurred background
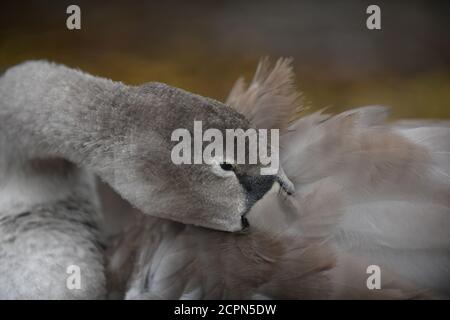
(204, 46)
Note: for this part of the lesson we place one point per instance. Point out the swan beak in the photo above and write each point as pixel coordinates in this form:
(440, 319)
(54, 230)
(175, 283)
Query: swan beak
(285, 183)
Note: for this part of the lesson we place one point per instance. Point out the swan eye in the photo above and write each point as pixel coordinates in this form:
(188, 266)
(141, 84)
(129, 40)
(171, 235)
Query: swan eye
(222, 168)
(226, 166)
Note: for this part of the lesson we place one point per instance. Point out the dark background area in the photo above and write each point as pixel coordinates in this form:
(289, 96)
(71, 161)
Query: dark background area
(203, 46)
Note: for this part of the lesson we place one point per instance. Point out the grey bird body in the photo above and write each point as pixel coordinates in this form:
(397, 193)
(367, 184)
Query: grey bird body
(49, 221)
(368, 192)
(123, 134)
(41, 239)
(59, 128)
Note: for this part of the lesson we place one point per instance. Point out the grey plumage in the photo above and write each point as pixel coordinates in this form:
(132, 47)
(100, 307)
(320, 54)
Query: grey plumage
(367, 192)
(49, 221)
(123, 133)
(55, 116)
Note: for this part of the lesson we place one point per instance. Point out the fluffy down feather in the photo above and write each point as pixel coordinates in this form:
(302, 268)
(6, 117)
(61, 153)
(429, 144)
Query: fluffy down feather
(367, 192)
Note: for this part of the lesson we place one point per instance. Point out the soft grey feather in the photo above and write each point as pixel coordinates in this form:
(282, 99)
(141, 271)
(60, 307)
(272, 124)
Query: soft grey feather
(367, 192)
(52, 116)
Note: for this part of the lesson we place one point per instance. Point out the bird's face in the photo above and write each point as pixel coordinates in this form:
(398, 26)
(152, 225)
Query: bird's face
(216, 194)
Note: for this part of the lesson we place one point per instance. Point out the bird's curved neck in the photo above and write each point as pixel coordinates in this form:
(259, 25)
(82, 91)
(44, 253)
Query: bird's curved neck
(51, 111)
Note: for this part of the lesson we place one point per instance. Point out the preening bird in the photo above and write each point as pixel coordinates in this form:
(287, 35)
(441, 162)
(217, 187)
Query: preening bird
(58, 128)
(368, 193)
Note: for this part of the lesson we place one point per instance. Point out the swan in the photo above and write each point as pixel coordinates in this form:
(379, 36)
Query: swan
(61, 128)
(368, 193)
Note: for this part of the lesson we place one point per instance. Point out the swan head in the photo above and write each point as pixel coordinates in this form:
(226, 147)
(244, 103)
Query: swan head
(215, 193)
